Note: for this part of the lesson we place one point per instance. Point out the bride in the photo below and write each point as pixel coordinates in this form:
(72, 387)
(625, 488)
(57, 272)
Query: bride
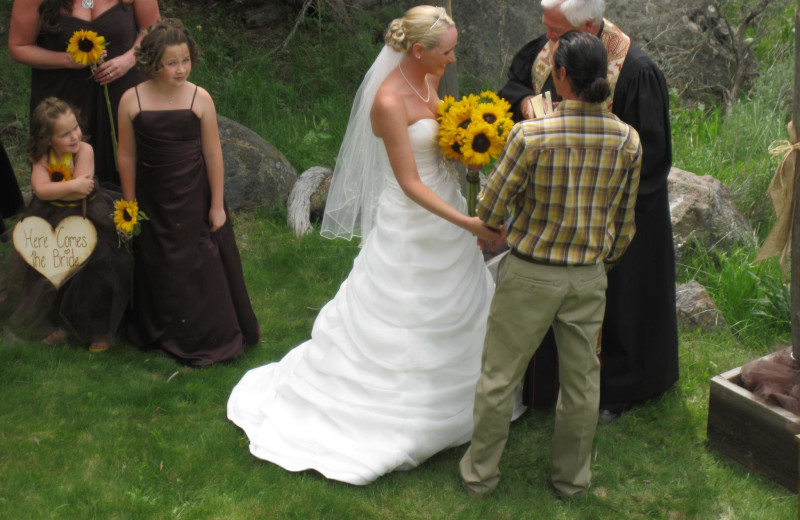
(388, 376)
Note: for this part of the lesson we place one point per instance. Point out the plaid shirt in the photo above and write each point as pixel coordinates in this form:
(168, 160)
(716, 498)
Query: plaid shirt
(570, 179)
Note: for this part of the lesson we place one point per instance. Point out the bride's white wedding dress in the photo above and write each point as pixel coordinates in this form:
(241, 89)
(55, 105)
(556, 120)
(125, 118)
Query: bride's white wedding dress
(388, 376)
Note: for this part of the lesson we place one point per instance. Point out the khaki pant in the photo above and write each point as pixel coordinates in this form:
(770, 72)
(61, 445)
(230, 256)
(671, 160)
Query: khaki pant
(529, 298)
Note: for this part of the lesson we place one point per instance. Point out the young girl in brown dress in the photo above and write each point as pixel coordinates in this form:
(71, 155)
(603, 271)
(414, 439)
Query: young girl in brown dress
(90, 305)
(190, 301)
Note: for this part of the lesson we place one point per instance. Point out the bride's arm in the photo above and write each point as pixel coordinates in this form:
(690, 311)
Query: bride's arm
(390, 121)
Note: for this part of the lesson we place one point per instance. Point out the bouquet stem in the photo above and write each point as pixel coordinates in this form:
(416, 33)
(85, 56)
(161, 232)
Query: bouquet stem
(111, 121)
(473, 187)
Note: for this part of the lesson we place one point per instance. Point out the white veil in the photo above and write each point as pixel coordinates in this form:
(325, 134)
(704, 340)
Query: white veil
(358, 177)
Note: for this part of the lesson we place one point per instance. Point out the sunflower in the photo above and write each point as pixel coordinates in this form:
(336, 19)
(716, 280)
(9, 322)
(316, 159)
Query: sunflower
(59, 172)
(444, 106)
(481, 143)
(489, 97)
(126, 216)
(86, 47)
(503, 127)
(489, 112)
(459, 116)
(450, 143)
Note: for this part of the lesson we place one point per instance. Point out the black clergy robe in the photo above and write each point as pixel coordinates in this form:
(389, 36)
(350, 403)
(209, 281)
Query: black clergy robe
(639, 358)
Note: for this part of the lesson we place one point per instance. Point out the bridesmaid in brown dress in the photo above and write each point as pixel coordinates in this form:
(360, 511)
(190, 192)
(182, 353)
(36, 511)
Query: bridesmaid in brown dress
(190, 301)
(38, 36)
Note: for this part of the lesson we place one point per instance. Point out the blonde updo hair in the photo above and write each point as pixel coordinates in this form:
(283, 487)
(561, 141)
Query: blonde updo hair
(424, 24)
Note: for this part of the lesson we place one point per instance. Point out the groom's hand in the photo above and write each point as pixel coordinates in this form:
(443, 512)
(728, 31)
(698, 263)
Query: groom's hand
(500, 239)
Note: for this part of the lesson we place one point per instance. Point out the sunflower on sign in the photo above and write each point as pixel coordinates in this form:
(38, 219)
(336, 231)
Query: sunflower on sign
(87, 48)
(473, 131)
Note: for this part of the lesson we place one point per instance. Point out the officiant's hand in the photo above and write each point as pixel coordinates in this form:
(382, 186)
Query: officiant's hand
(526, 107)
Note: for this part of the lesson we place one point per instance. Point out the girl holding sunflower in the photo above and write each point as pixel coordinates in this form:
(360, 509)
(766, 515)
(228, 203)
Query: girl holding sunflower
(38, 34)
(189, 301)
(89, 306)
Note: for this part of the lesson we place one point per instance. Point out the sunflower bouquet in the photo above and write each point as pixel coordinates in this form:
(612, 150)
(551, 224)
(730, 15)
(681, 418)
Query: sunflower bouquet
(127, 218)
(473, 131)
(86, 48)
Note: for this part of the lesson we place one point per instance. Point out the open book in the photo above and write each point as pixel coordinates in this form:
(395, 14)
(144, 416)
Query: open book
(541, 104)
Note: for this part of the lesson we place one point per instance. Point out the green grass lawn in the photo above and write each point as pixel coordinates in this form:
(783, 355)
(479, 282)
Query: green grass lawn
(129, 434)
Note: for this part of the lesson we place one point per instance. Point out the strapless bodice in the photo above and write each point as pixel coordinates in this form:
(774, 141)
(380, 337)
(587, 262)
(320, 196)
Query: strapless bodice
(428, 157)
(422, 135)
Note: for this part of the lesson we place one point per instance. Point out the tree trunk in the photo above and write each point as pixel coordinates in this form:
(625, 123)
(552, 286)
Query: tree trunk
(795, 277)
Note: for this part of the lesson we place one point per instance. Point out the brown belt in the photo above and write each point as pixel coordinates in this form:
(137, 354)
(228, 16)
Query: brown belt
(531, 260)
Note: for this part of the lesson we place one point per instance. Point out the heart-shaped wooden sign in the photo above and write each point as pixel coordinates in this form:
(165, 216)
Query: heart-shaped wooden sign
(56, 253)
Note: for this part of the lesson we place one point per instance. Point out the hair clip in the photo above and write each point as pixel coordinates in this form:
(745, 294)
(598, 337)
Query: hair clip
(441, 13)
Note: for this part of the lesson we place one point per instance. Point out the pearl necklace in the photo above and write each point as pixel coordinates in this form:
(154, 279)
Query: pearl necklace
(424, 100)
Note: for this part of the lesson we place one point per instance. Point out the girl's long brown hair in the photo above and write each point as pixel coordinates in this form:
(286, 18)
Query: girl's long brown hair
(42, 120)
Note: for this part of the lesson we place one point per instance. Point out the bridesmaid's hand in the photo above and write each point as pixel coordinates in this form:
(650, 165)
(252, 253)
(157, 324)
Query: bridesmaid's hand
(113, 69)
(216, 218)
(69, 63)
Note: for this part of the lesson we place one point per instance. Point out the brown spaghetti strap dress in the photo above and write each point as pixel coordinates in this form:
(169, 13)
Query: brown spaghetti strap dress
(189, 300)
(76, 86)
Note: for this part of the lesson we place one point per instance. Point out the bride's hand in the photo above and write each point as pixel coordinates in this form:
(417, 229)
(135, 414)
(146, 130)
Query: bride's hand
(481, 230)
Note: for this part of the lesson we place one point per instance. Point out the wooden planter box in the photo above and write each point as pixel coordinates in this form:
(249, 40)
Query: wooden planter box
(752, 431)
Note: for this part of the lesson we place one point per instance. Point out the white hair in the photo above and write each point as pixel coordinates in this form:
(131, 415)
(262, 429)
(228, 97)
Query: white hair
(578, 12)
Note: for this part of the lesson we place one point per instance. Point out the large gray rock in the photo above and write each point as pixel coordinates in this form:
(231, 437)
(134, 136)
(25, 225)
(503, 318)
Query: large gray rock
(490, 34)
(256, 173)
(702, 209)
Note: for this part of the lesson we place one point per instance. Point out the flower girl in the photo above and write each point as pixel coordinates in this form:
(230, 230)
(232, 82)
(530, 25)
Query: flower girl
(89, 306)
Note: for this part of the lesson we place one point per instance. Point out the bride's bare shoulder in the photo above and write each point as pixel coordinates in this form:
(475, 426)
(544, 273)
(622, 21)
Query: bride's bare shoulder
(387, 101)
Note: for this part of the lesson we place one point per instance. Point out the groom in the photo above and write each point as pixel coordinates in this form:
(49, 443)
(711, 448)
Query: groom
(571, 180)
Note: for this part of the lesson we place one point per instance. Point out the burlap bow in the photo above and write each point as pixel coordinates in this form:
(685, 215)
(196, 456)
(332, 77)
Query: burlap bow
(782, 193)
